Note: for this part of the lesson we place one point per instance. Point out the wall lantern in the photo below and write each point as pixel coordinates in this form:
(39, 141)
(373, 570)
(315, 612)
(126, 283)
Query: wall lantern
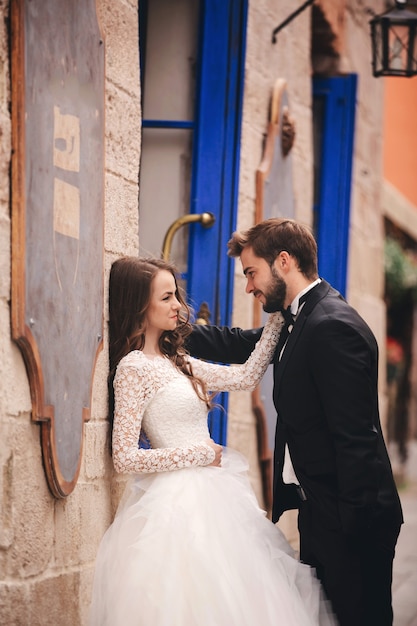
(394, 39)
(394, 42)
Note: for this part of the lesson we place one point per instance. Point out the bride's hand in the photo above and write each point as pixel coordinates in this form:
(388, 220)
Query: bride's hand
(218, 452)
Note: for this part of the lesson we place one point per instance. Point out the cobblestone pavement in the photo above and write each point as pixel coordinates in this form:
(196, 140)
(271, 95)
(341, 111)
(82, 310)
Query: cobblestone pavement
(404, 586)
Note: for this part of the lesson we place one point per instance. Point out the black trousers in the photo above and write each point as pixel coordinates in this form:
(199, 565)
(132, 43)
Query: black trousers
(356, 574)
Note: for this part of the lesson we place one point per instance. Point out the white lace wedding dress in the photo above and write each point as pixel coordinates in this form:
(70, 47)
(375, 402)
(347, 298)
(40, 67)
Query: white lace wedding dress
(189, 545)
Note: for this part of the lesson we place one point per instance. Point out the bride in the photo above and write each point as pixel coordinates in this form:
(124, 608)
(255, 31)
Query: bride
(189, 545)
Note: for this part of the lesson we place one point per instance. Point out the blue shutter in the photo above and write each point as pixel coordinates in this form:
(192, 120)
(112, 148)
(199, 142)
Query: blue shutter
(334, 106)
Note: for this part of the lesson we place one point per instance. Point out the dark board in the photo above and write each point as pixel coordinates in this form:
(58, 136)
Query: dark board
(57, 218)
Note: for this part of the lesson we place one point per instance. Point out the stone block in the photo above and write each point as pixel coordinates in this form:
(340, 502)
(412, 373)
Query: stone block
(15, 386)
(85, 590)
(31, 552)
(6, 489)
(99, 407)
(122, 215)
(119, 23)
(96, 456)
(123, 133)
(14, 604)
(80, 522)
(54, 600)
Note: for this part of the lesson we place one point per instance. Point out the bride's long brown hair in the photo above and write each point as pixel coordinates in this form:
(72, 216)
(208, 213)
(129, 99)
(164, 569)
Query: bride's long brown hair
(130, 290)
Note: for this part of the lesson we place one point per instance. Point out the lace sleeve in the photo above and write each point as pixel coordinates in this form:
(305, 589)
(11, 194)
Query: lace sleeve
(133, 389)
(246, 376)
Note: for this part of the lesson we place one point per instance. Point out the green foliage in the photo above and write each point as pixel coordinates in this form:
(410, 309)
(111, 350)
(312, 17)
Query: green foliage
(400, 271)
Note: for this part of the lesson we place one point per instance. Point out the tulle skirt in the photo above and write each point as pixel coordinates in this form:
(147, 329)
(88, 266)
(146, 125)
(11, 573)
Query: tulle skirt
(192, 548)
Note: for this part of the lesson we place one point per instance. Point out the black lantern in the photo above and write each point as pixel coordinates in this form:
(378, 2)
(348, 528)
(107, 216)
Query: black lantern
(394, 42)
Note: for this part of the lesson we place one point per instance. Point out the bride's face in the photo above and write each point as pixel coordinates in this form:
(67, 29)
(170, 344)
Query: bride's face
(163, 308)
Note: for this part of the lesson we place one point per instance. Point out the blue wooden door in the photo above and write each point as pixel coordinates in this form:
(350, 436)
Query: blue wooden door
(216, 165)
(214, 130)
(334, 104)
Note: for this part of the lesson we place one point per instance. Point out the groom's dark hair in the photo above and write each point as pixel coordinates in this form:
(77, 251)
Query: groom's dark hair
(272, 236)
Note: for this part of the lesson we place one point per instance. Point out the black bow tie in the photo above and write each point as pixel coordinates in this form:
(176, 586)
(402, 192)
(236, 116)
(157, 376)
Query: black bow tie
(288, 316)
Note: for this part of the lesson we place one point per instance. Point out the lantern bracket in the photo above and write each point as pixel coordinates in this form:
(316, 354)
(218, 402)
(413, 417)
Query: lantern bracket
(290, 19)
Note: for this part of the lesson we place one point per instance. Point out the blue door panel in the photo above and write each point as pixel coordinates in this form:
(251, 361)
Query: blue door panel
(338, 103)
(216, 154)
(216, 167)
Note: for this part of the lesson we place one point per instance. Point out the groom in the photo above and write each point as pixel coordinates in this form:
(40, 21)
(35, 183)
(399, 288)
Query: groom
(330, 459)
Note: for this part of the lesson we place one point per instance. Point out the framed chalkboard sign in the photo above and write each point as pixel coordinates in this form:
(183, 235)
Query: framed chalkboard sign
(57, 218)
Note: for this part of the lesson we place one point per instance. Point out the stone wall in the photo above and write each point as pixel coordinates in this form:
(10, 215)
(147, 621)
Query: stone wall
(48, 546)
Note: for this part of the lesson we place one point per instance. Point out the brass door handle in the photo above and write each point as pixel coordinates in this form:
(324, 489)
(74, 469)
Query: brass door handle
(206, 219)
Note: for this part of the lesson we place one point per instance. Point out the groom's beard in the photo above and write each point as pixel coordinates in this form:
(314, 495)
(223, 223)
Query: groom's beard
(276, 294)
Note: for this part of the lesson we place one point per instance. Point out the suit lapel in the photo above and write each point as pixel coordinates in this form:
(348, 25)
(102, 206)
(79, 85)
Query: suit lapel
(317, 293)
(291, 342)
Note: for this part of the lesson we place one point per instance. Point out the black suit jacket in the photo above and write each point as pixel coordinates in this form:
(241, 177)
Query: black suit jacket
(326, 397)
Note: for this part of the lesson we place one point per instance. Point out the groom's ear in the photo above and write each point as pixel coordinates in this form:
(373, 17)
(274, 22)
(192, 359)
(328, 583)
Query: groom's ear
(282, 262)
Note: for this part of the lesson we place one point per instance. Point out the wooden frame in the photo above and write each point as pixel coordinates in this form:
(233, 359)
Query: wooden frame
(274, 197)
(57, 219)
